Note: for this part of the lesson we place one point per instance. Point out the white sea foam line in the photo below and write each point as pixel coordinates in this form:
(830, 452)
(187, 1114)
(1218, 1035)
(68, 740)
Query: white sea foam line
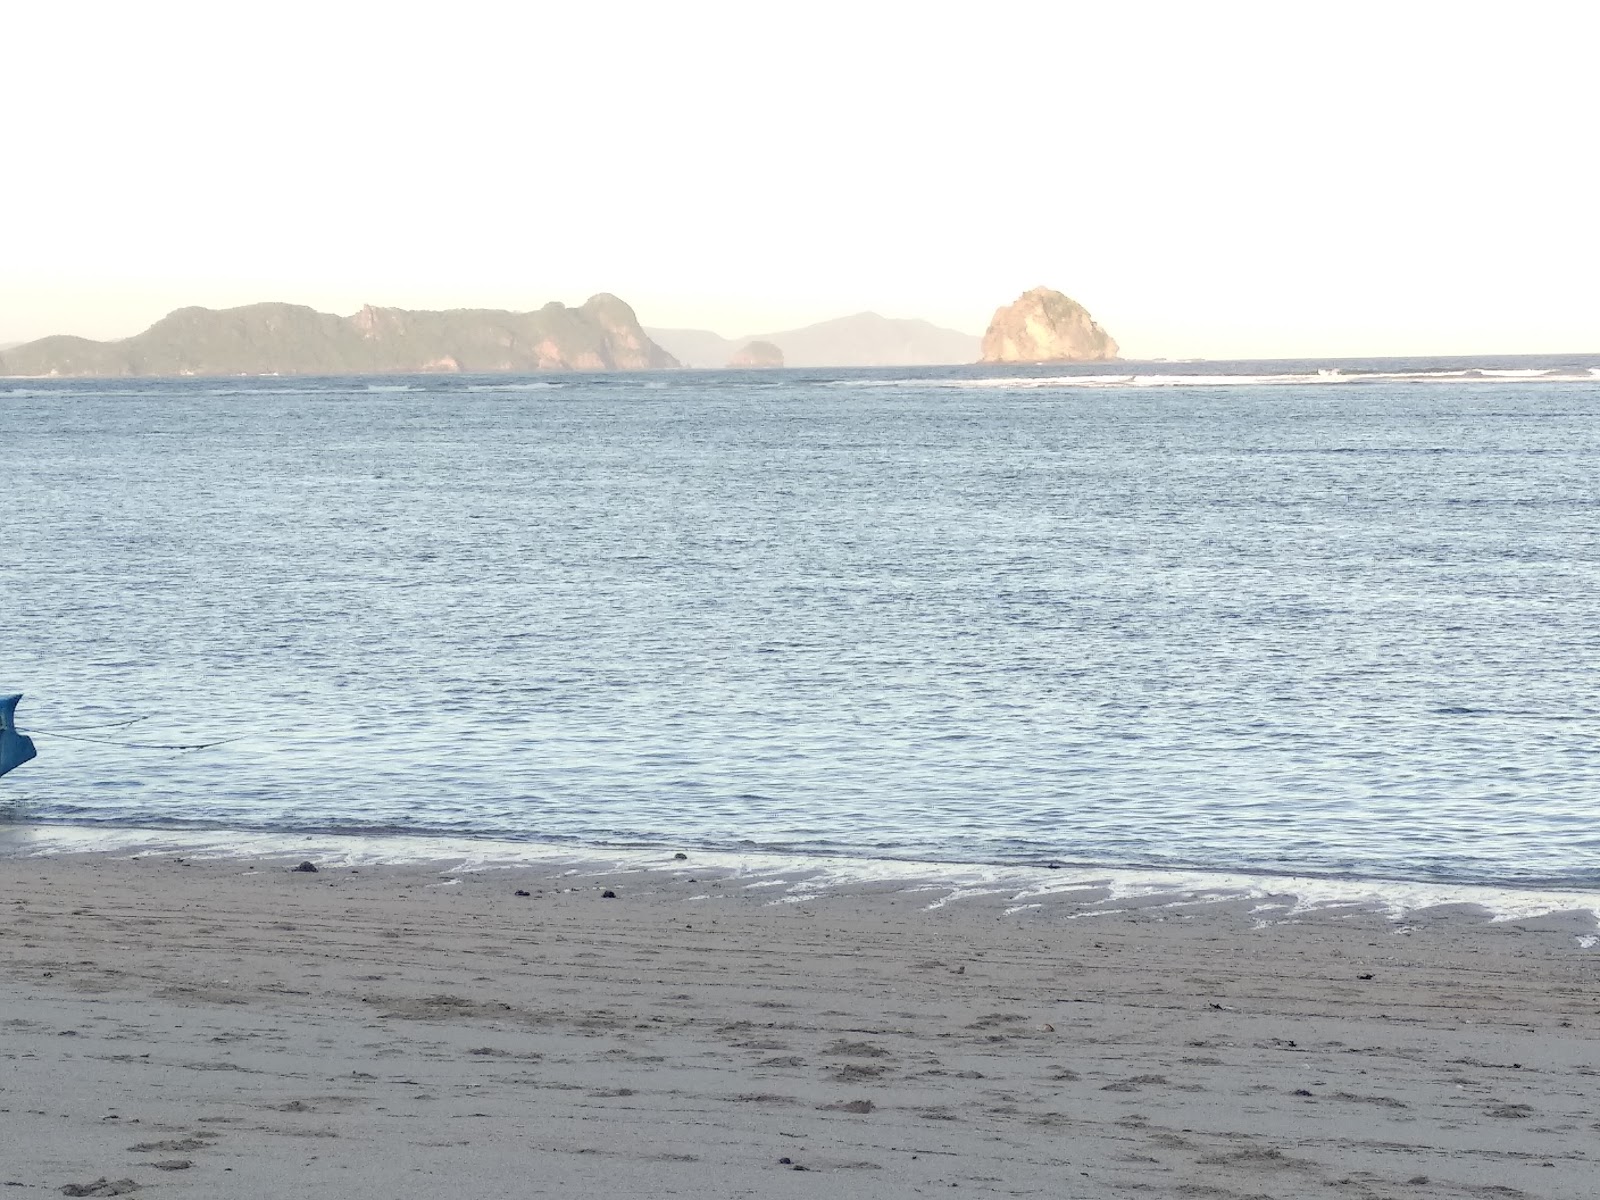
(806, 877)
(1321, 378)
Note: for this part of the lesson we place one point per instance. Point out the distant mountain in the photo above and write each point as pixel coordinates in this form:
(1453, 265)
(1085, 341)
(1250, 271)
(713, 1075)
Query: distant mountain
(863, 340)
(696, 347)
(290, 339)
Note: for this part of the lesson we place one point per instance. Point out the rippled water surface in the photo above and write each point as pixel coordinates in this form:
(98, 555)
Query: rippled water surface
(1268, 624)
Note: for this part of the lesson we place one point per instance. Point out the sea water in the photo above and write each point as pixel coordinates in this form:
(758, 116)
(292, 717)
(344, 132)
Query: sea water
(1337, 619)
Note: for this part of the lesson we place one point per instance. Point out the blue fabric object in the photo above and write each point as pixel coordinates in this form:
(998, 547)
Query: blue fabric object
(15, 749)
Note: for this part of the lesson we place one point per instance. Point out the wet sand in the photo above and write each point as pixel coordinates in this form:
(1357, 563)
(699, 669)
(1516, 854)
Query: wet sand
(222, 1027)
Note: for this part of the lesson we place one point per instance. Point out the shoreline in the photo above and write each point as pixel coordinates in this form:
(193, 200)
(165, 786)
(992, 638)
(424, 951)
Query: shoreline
(230, 1026)
(797, 876)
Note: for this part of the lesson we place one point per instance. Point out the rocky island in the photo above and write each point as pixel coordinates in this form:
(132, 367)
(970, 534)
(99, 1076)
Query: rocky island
(290, 339)
(1045, 326)
(757, 354)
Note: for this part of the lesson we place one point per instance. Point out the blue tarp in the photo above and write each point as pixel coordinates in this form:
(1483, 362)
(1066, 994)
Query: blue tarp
(15, 749)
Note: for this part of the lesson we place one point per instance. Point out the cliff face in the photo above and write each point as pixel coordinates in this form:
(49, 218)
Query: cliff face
(757, 354)
(1045, 326)
(290, 339)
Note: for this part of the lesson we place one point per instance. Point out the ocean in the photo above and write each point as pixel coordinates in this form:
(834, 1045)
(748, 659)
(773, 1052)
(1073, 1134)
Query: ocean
(1336, 619)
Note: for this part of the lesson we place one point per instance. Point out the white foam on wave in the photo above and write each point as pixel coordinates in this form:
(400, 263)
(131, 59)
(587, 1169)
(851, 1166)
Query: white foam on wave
(1322, 377)
(295, 390)
(796, 878)
(529, 385)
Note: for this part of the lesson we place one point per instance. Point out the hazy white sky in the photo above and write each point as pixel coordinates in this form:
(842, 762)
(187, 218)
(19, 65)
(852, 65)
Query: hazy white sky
(1208, 178)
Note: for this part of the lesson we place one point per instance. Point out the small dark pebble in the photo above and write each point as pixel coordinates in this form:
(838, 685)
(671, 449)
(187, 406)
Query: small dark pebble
(1302, 1091)
(608, 894)
(786, 1161)
(1367, 976)
(1516, 1066)
(798, 1167)
(522, 892)
(308, 867)
(680, 856)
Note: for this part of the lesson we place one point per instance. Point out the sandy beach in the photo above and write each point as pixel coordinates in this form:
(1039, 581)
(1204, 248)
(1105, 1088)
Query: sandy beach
(228, 1027)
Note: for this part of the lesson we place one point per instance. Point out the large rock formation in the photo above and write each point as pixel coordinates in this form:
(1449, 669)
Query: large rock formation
(290, 339)
(1045, 326)
(757, 354)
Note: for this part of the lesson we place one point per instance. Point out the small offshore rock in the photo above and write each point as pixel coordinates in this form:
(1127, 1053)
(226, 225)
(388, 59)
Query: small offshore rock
(308, 867)
(757, 355)
(522, 892)
(680, 856)
(608, 894)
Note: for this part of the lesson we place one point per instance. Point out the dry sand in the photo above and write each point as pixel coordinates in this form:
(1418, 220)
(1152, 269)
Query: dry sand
(229, 1028)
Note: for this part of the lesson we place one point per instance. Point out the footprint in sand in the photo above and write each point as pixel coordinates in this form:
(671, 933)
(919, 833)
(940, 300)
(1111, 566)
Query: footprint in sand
(100, 1187)
(1512, 1111)
(849, 1049)
(1135, 1083)
(849, 1106)
(857, 1072)
(171, 1145)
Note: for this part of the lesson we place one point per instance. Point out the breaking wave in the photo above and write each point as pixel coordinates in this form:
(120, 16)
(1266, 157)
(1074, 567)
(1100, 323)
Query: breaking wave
(1320, 377)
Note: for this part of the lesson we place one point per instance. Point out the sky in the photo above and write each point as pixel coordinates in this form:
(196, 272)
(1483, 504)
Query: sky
(1210, 180)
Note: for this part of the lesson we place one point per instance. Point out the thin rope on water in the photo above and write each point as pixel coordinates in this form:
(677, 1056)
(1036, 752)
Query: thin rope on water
(92, 728)
(141, 745)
